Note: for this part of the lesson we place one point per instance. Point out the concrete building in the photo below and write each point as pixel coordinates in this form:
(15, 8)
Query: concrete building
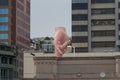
(8, 63)
(96, 25)
(82, 66)
(43, 44)
(15, 26)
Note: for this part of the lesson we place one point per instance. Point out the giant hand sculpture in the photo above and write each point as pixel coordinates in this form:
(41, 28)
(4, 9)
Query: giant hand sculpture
(61, 40)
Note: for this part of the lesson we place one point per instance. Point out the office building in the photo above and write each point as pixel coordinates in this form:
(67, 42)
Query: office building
(15, 26)
(96, 25)
(8, 63)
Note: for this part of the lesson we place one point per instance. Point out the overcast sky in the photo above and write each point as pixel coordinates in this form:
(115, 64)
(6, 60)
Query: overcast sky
(48, 14)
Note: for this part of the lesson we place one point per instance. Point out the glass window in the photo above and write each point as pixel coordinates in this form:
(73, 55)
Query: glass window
(81, 49)
(3, 19)
(76, 6)
(4, 74)
(3, 36)
(103, 44)
(3, 28)
(103, 22)
(102, 1)
(80, 17)
(76, 39)
(6, 43)
(103, 33)
(103, 11)
(79, 28)
(4, 60)
(119, 5)
(3, 11)
(3, 2)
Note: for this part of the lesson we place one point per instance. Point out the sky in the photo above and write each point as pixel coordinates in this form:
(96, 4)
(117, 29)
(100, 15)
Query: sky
(48, 14)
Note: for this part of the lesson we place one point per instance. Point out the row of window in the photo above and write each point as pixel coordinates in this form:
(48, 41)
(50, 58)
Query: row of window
(103, 11)
(3, 36)
(3, 19)
(103, 33)
(3, 28)
(8, 74)
(79, 28)
(103, 44)
(77, 39)
(102, 1)
(6, 60)
(5, 43)
(81, 49)
(4, 11)
(4, 2)
(78, 17)
(103, 22)
(76, 6)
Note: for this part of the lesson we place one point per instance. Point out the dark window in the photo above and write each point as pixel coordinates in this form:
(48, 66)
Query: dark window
(119, 27)
(76, 39)
(79, 28)
(103, 11)
(103, 33)
(3, 2)
(80, 49)
(103, 22)
(10, 60)
(4, 60)
(119, 15)
(102, 1)
(103, 44)
(76, 6)
(79, 17)
(119, 4)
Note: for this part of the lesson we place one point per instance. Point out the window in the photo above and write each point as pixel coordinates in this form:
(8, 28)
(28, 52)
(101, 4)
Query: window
(80, 49)
(103, 44)
(4, 11)
(103, 11)
(76, 39)
(3, 28)
(80, 17)
(3, 36)
(4, 74)
(102, 1)
(76, 6)
(79, 28)
(103, 22)
(103, 33)
(4, 60)
(3, 2)
(119, 15)
(5, 43)
(10, 60)
(3, 19)
(119, 5)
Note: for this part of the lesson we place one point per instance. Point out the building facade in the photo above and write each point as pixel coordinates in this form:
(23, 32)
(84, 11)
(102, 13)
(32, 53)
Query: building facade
(95, 25)
(15, 26)
(82, 66)
(43, 44)
(8, 63)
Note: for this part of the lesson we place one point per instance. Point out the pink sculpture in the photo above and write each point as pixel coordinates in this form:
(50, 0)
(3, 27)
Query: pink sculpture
(61, 40)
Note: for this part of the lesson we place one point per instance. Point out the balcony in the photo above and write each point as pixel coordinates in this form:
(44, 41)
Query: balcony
(103, 16)
(103, 5)
(104, 38)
